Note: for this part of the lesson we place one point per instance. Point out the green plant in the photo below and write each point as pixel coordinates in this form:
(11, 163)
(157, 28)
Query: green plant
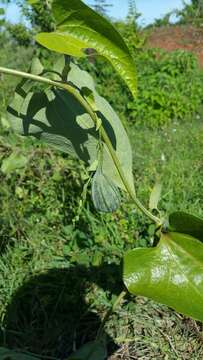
(192, 13)
(20, 34)
(38, 13)
(66, 112)
(169, 88)
(130, 30)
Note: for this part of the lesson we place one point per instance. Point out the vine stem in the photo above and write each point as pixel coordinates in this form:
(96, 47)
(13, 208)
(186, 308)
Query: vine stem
(76, 94)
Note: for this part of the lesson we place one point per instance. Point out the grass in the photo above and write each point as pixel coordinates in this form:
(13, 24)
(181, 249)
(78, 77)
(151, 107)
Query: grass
(59, 274)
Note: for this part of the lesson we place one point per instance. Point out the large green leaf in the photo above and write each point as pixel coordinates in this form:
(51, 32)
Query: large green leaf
(6, 354)
(78, 28)
(56, 117)
(171, 273)
(91, 351)
(186, 224)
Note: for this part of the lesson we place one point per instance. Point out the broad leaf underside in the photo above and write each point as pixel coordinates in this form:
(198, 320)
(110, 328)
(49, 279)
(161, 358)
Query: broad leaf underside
(56, 117)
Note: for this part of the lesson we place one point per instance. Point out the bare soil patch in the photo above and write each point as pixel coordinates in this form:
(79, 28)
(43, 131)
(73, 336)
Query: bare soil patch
(171, 38)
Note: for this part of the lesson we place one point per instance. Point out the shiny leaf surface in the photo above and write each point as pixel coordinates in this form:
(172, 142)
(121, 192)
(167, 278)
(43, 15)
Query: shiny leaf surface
(171, 273)
(187, 224)
(78, 28)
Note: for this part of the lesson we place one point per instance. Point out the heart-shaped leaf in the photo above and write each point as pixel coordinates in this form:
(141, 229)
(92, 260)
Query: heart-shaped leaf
(91, 351)
(187, 224)
(171, 273)
(78, 27)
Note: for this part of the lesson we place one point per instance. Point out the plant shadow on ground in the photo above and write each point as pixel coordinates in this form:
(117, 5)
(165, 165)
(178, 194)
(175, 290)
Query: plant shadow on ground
(50, 316)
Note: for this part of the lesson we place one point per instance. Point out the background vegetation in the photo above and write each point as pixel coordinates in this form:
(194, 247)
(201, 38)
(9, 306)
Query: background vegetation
(59, 258)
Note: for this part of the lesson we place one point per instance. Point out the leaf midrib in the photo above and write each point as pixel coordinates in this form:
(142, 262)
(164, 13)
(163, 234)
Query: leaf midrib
(94, 32)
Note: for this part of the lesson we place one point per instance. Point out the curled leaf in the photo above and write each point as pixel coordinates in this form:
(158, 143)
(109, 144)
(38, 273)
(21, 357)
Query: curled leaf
(106, 196)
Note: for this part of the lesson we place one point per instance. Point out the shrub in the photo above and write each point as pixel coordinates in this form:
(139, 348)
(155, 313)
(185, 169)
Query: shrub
(169, 88)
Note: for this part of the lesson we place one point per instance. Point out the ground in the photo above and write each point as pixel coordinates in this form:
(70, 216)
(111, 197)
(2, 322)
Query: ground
(182, 37)
(58, 274)
(60, 261)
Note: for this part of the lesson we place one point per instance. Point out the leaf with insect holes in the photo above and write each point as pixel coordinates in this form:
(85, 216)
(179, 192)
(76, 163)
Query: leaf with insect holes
(171, 273)
(78, 27)
(57, 118)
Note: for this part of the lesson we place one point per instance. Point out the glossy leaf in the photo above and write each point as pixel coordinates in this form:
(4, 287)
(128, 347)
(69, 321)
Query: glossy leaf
(78, 27)
(106, 196)
(186, 224)
(6, 354)
(171, 273)
(91, 351)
